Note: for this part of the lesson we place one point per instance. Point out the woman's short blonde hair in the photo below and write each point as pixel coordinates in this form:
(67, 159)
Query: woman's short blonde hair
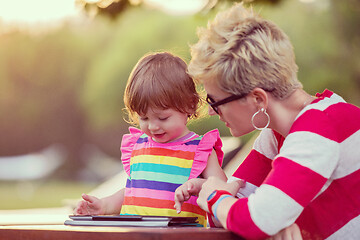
(160, 80)
(240, 51)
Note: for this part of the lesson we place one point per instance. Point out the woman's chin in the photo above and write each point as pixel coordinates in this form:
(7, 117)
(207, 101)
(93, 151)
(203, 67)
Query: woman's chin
(236, 133)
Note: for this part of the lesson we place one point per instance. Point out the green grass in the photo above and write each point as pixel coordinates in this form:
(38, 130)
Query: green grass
(47, 194)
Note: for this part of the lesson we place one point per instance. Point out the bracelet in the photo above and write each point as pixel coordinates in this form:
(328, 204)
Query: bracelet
(214, 196)
(217, 204)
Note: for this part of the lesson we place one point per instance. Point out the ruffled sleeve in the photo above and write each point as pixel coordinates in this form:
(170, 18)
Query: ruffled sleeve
(211, 140)
(127, 146)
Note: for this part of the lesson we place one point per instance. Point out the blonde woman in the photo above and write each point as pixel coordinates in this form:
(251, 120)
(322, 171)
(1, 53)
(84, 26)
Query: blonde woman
(305, 163)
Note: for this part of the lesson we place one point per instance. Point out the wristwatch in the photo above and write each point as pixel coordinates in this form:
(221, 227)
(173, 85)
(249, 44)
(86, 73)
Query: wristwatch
(213, 197)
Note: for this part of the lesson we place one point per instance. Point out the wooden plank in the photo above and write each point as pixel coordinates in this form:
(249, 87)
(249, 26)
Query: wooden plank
(57, 232)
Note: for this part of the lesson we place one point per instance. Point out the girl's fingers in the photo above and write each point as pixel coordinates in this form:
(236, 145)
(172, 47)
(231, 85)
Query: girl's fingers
(179, 199)
(89, 198)
(177, 206)
(81, 208)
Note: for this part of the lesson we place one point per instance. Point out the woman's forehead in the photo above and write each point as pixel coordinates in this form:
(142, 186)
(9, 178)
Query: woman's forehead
(213, 90)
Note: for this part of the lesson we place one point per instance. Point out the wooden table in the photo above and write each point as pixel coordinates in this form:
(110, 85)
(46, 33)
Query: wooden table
(41, 224)
(60, 232)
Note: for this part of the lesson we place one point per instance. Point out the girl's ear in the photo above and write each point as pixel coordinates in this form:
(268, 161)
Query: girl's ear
(259, 97)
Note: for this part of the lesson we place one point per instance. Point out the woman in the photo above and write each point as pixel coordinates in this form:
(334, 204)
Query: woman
(305, 161)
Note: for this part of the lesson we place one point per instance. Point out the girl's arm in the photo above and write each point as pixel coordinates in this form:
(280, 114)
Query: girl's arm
(112, 204)
(91, 205)
(213, 168)
(193, 186)
(186, 190)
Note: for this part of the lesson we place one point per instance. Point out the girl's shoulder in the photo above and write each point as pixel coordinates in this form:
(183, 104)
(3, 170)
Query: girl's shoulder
(212, 134)
(208, 143)
(127, 146)
(132, 137)
(209, 140)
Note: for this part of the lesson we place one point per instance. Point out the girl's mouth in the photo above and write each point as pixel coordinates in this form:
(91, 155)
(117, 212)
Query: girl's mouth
(159, 135)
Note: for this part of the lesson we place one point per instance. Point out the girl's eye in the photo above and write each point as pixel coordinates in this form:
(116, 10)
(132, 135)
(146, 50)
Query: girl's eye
(163, 119)
(143, 118)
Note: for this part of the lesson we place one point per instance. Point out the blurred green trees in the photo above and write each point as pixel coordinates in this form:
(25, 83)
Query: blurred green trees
(66, 86)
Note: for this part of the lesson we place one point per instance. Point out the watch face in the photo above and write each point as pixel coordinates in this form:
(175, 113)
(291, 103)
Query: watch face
(211, 195)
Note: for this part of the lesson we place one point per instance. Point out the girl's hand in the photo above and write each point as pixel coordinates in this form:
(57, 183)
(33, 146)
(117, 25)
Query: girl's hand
(185, 191)
(89, 206)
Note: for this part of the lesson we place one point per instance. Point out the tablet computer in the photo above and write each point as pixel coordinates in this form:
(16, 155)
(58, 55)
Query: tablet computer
(130, 220)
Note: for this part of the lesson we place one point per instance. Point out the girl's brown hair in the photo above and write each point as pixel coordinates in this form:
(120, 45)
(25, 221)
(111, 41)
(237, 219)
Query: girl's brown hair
(160, 80)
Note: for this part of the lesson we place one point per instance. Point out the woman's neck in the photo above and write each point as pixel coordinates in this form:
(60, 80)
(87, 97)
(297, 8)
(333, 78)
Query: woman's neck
(283, 112)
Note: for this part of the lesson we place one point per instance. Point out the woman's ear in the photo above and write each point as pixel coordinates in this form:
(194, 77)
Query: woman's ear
(259, 97)
(191, 112)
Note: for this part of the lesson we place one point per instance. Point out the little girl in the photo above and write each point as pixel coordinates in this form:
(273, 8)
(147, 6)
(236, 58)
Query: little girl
(163, 154)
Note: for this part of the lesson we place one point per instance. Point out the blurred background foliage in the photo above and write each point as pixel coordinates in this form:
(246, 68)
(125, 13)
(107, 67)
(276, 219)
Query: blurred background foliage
(65, 86)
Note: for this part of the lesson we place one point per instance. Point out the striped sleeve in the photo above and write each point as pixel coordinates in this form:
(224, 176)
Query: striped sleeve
(306, 160)
(257, 164)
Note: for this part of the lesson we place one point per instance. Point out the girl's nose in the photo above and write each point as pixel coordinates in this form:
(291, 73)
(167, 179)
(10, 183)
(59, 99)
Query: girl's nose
(153, 126)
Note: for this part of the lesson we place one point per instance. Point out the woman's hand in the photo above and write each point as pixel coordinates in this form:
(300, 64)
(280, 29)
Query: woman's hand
(290, 233)
(185, 191)
(90, 205)
(214, 183)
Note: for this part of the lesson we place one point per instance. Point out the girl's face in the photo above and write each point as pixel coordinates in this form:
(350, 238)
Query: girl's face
(235, 114)
(164, 125)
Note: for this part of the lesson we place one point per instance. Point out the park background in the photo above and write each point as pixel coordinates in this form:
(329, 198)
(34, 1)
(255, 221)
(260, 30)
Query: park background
(62, 79)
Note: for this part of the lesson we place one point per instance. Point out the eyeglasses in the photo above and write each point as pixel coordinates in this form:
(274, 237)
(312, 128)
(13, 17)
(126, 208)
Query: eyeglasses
(214, 105)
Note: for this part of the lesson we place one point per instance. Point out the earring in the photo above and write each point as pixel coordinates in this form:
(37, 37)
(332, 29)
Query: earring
(263, 110)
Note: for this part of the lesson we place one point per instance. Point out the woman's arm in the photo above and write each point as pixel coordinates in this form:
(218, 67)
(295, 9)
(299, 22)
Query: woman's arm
(222, 209)
(224, 206)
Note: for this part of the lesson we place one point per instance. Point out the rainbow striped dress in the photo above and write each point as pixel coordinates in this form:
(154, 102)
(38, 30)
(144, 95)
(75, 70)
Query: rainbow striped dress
(155, 170)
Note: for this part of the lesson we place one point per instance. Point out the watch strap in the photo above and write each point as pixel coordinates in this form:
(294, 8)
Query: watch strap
(212, 201)
(216, 205)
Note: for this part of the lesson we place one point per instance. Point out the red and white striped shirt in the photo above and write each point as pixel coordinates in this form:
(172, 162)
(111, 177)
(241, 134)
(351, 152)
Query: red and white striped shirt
(311, 177)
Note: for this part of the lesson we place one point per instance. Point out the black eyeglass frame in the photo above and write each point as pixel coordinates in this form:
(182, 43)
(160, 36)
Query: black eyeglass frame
(214, 105)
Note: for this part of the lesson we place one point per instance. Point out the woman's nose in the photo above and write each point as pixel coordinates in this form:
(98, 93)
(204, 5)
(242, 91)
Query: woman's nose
(211, 111)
